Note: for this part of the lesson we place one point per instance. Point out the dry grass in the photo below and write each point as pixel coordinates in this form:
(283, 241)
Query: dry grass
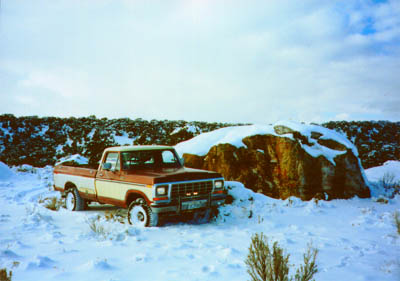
(397, 221)
(52, 203)
(96, 227)
(117, 216)
(382, 200)
(99, 224)
(27, 169)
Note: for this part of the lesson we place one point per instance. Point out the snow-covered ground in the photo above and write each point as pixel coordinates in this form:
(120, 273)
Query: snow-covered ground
(357, 239)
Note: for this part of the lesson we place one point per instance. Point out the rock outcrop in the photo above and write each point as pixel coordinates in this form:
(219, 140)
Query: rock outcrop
(289, 162)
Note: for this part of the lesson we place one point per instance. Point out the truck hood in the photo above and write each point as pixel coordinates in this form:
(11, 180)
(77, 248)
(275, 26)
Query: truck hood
(176, 175)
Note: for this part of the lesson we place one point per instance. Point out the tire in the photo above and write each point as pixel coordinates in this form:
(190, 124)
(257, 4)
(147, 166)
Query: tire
(73, 201)
(139, 214)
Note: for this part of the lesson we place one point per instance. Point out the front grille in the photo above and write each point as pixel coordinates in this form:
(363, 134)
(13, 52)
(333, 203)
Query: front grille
(190, 189)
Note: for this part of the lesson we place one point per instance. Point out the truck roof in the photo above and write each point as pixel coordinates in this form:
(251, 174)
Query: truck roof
(138, 147)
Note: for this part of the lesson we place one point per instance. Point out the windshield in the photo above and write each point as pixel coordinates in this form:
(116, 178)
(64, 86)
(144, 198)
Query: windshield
(150, 159)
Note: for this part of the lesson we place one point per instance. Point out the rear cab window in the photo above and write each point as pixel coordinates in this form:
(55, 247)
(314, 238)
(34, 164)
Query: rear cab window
(149, 159)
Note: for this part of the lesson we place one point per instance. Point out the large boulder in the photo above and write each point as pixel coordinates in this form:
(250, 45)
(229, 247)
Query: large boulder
(306, 161)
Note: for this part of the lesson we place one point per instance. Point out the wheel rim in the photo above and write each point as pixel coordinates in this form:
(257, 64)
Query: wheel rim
(70, 201)
(138, 216)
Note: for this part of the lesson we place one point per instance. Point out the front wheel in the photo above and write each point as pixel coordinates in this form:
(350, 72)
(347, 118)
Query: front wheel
(73, 201)
(139, 214)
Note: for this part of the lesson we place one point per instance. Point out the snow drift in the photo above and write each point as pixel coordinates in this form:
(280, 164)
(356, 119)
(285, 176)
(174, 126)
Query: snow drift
(5, 172)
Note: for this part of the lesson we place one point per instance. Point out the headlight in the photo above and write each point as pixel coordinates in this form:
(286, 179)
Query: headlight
(219, 184)
(162, 190)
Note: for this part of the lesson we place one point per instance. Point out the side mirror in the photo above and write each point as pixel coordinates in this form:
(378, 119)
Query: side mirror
(106, 166)
(182, 161)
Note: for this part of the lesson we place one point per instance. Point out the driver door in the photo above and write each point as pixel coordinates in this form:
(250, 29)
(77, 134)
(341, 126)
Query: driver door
(108, 185)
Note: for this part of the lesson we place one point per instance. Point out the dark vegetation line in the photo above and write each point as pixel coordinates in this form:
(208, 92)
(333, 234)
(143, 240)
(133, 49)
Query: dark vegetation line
(376, 141)
(40, 141)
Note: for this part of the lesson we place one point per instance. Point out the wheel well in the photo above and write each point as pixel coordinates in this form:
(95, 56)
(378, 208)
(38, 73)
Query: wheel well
(132, 197)
(68, 186)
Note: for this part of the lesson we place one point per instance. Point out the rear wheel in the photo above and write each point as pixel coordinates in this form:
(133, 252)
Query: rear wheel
(139, 214)
(73, 201)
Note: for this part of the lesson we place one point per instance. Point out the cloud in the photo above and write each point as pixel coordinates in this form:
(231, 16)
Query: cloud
(63, 83)
(231, 61)
(26, 100)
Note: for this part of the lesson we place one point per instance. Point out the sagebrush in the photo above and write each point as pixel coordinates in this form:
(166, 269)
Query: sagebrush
(397, 221)
(309, 268)
(97, 228)
(390, 184)
(265, 263)
(4, 275)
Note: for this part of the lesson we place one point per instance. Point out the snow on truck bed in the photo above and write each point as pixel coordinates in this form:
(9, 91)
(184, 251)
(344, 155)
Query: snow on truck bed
(357, 238)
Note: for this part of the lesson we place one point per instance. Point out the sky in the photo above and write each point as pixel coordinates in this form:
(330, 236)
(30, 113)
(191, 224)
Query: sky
(201, 60)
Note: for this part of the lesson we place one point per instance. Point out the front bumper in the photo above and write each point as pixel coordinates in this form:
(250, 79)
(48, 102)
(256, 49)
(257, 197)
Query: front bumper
(176, 208)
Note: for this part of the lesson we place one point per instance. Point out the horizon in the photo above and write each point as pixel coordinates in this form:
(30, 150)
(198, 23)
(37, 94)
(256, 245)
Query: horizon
(190, 121)
(235, 62)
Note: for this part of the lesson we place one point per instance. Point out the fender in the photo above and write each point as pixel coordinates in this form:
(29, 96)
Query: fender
(56, 188)
(138, 193)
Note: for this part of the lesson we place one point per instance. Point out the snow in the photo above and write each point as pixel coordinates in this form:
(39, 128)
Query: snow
(307, 129)
(124, 139)
(390, 170)
(189, 128)
(91, 134)
(81, 160)
(6, 131)
(357, 238)
(201, 144)
(60, 148)
(43, 130)
(5, 172)
(389, 167)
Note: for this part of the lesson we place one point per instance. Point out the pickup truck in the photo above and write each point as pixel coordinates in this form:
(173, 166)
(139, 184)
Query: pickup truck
(149, 181)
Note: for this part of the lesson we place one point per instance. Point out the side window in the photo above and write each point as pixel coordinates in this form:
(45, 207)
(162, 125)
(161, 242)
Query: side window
(113, 159)
(168, 157)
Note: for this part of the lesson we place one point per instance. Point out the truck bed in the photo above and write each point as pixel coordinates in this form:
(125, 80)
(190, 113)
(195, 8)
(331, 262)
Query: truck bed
(75, 171)
(81, 178)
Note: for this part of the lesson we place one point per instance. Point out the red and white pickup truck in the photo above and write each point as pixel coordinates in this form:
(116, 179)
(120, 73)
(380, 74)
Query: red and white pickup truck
(148, 180)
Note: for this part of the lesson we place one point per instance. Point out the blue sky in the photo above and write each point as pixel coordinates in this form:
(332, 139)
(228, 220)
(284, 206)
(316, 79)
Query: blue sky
(230, 61)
